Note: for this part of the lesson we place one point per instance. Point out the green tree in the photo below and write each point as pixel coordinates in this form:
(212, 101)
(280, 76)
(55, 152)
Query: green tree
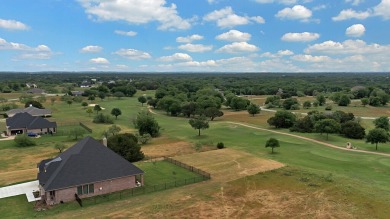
(34, 104)
(126, 145)
(76, 133)
(102, 95)
(288, 103)
(114, 129)
(377, 135)
(84, 104)
(60, 146)
(353, 130)
(213, 112)
(199, 123)
(146, 124)
(327, 126)
(306, 104)
(89, 111)
(382, 122)
(153, 103)
(116, 112)
(100, 118)
(69, 102)
(239, 103)
(344, 100)
(321, 99)
(253, 109)
(24, 141)
(97, 108)
(119, 95)
(282, 119)
(365, 101)
(145, 138)
(142, 99)
(272, 143)
(189, 108)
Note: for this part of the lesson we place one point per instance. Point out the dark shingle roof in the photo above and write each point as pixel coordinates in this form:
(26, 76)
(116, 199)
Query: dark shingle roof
(85, 162)
(30, 110)
(25, 120)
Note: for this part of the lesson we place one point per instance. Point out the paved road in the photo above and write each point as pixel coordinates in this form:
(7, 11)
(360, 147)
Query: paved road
(19, 189)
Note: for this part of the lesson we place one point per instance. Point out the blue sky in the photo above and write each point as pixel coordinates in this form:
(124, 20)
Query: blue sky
(195, 35)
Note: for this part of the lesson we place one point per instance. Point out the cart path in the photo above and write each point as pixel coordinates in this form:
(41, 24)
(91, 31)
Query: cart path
(297, 136)
(310, 139)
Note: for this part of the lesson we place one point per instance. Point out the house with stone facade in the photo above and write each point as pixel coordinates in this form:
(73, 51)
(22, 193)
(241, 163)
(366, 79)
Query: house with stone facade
(86, 169)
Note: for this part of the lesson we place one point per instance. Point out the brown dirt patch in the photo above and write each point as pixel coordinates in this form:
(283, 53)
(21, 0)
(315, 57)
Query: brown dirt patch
(169, 149)
(229, 164)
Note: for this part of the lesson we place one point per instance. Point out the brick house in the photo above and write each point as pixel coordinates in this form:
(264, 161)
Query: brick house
(22, 123)
(30, 110)
(87, 169)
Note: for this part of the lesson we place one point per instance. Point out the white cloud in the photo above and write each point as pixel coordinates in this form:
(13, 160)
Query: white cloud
(133, 54)
(350, 14)
(99, 60)
(356, 30)
(354, 2)
(227, 18)
(91, 49)
(13, 25)
(177, 57)
(278, 65)
(126, 33)
(195, 47)
(234, 36)
(189, 39)
(298, 12)
(319, 7)
(310, 58)
(136, 12)
(300, 37)
(383, 9)
(198, 64)
(238, 47)
(349, 47)
(285, 52)
(39, 52)
(285, 2)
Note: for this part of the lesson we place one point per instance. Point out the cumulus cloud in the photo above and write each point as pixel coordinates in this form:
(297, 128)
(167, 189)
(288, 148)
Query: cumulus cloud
(99, 60)
(356, 30)
(13, 25)
(28, 52)
(234, 36)
(189, 39)
(91, 49)
(126, 33)
(285, 2)
(136, 12)
(354, 2)
(285, 52)
(298, 12)
(351, 14)
(133, 54)
(227, 18)
(238, 47)
(300, 37)
(310, 58)
(383, 9)
(177, 57)
(348, 47)
(195, 47)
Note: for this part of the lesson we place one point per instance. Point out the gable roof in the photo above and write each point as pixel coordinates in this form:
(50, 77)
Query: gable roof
(25, 120)
(30, 110)
(87, 161)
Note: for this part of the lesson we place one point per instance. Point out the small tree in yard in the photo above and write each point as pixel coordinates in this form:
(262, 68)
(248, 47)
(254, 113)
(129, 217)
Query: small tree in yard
(253, 109)
(220, 145)
(145, 138)
(69, 102)
(377, 135)
(213, 112)
(142, 100)
(145, 123)
(97, 108)
(114, 129)
(24, 141)
(272, 143)
(60, 146)
(327, 126)
(89, 111)
(84, 104)
(306, 104)
(76, 133)
(365, 101)
(321, 99)
(116, 112)
(199, 123)
(127, 146)
(382, 122)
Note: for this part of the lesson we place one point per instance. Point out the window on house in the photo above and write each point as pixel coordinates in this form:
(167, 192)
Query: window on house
(85, 189)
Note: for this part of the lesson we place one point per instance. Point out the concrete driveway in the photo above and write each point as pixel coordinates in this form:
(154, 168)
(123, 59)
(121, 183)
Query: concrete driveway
(19, 189)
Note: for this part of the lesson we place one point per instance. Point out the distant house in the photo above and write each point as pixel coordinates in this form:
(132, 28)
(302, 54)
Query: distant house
(30, 110)
(86, 169)
(85, 84)
(30, 85)
(25, 123)
(77, 93)
(36, 91)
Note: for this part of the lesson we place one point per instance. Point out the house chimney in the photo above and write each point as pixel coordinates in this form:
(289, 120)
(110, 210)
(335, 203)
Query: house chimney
(105, 141)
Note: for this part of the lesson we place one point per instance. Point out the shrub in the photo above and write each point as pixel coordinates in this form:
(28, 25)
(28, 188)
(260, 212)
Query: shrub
(100, 118)
(24, 141)
(220, 145)
(328, 107)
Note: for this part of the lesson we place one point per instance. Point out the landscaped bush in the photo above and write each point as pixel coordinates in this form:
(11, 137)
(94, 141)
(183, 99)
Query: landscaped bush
(24, 141)
(220, 145)
(100, 118)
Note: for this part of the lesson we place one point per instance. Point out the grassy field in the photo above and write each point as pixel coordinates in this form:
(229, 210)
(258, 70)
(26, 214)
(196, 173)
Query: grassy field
(317, 181)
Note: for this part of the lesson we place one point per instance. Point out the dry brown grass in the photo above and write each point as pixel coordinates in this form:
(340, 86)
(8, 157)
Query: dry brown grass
(245, 117)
